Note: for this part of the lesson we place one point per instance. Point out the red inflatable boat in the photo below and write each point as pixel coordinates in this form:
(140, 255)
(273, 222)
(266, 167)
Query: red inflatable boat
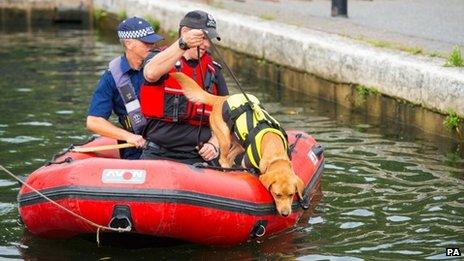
(161, 198)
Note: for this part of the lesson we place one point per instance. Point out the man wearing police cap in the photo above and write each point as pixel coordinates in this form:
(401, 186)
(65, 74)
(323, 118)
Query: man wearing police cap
(119, 88)
(178, 129)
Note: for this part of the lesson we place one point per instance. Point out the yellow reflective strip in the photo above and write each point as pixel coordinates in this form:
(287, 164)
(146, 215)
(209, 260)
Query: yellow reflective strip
(251, 158)
(128, 123)
(259, 139)
(260, 135)
(242, 126)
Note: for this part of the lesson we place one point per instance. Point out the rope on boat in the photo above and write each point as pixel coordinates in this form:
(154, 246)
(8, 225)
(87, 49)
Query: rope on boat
(291, 148)
(66, 160)
(99, 227)
(98, 237)
(68, 149)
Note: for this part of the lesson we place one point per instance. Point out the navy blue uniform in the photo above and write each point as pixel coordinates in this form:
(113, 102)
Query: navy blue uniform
(106, 99)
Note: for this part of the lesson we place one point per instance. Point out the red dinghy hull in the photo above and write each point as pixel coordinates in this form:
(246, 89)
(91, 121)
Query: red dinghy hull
(161, 198)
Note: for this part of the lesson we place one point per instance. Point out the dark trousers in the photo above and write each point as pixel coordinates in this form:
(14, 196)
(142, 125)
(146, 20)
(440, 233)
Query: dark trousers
(153, 151)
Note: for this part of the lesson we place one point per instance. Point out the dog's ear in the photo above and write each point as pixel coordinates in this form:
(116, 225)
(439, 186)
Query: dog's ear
(267, 180)
(300, 187)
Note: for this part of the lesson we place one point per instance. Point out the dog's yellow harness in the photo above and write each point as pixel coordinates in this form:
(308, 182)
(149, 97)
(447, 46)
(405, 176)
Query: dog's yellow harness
(249, 123)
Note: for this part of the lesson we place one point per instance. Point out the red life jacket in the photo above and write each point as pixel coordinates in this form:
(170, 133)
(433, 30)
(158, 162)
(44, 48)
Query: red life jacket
(167, 101)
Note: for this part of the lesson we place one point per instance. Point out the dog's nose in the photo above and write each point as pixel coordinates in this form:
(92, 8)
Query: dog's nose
(285, 213)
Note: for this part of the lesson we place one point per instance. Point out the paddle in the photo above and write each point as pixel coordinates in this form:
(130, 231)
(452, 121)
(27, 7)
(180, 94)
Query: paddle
(103, 147)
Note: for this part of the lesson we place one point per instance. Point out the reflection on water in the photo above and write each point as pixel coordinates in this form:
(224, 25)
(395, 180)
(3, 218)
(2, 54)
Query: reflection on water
(387, 194)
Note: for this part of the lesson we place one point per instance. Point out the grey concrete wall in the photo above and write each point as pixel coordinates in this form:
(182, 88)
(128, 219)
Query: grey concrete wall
(419, 80)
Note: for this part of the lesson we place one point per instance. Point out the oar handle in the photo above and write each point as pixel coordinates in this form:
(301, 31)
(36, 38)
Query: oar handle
(103, 147)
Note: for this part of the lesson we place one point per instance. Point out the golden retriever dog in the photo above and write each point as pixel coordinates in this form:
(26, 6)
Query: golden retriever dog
(275, 167)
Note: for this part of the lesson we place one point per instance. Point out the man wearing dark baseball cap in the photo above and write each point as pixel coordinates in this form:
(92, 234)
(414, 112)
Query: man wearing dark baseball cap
(200, 20)
(174, 131)
(119, 88)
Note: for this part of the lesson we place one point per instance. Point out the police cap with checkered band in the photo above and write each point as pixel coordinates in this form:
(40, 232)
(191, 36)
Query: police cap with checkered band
(138, 28)
(201, 20)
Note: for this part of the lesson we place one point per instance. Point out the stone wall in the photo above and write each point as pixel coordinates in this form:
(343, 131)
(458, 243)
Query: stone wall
(76, 11)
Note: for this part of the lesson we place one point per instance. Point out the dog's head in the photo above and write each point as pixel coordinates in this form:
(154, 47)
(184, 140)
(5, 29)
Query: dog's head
(283, 185)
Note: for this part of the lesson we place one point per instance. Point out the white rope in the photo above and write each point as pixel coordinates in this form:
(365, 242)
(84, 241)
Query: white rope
(127, 229)
(98, 237)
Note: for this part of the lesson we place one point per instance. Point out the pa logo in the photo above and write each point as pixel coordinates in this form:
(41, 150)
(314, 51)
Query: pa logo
(453, 251)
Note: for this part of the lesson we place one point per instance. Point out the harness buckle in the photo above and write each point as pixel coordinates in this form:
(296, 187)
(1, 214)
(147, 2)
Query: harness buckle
(258, 112)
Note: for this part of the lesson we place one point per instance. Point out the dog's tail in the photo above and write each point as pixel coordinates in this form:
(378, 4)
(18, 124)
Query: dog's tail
(192, 90)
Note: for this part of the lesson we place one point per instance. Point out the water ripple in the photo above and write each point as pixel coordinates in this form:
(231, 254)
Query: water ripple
(398, 218)
(9, 251)
(359, 213)
(6, 208)
(35, 123)
(315, 220)
(20, 139)
(349, 225)
(6, 183)
(64, 112)
(24, 89)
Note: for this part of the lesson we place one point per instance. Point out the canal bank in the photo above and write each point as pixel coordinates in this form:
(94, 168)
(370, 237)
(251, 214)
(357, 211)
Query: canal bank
(420, 80)
(43, 12)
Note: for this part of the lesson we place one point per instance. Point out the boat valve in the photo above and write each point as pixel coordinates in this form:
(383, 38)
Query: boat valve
(121, 217)
(318, 150)
(259, 229)
(304, 202)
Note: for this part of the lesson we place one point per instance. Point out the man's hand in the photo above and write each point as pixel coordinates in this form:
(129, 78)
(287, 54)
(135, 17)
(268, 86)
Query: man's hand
(103, 127)
(137, 140)
(208, 151)
(193, 38)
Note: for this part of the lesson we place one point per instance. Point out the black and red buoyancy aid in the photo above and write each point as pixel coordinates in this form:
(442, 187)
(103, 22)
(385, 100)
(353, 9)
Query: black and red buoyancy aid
(167, 101)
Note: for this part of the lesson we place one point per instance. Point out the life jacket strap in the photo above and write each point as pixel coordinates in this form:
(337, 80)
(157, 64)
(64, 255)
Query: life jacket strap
(235, 113)
(252, 141)
(209, 81)
(127, 92)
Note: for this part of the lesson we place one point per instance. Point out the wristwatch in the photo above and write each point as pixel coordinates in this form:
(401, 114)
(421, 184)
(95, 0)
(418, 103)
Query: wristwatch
(183, 45)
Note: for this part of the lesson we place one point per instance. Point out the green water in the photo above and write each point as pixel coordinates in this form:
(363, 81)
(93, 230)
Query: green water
(388, 194)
